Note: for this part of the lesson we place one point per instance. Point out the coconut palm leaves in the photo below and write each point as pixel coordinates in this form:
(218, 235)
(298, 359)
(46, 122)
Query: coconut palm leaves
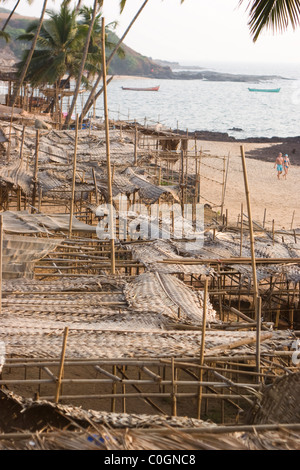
(61, 46)
(276, 15)
(58, 47)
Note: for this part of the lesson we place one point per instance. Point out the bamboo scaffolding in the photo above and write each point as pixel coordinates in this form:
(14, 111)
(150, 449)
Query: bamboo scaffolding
(109, 184)
(73, 178)
(202, 348)
(61, 366)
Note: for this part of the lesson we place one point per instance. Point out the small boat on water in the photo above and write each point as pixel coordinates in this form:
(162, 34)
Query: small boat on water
(154, 88)
(265, 90)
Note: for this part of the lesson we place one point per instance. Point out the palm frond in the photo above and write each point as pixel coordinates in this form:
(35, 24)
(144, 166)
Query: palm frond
(122, 5)
(5, 36)
(276, 15)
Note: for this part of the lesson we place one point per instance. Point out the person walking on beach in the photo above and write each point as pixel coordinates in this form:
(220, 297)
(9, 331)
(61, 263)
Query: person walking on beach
(286, 164)
(279, 165)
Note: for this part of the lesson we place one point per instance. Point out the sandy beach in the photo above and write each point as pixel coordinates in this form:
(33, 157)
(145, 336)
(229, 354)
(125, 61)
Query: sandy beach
(280, 198)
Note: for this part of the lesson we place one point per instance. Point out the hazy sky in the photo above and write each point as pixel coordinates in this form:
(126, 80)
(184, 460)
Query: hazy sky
(196, 31)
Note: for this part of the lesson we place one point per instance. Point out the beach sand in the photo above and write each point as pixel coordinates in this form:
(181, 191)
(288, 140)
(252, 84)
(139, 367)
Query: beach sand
(280, 198)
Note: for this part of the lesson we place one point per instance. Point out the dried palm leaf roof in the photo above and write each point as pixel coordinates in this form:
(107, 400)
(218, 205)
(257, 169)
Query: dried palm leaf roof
(24, 222)
(149, 191)
(31, 335)
(226, 245)
(76, 428)
(279, 402)
(19, 254)
(159, 250)
(16, 175)
(164, 293)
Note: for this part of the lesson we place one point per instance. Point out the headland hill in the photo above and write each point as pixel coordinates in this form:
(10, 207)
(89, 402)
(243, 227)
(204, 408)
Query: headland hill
(135, 64)
(132, 63)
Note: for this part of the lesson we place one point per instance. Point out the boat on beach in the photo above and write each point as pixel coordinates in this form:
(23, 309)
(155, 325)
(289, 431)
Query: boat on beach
(154, 88)
(265, 90)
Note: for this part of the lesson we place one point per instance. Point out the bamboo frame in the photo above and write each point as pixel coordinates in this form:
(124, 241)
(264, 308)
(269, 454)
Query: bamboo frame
(222, 388)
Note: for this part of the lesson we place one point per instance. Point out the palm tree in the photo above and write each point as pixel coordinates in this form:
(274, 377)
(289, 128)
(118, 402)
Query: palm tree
(94, 94)
(276, 15)
(58, 44)
(6, 36)
(97, 4)
(26, 65)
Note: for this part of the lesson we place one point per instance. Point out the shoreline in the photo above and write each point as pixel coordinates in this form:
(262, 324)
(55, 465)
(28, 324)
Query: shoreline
(216, 136)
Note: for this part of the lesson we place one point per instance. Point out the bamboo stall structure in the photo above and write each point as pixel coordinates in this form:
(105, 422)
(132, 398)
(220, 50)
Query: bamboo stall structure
(167, 327)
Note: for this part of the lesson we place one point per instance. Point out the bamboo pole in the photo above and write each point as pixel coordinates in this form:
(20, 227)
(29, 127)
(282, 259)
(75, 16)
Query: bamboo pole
(255, 285)
(22, 144)
(174, 389)
(264, 219)
(73, 179)
(258, 337)
(292, 219)
(202, 349)
(37, 143)
(109, 184)
(241, 240)
(135, 145)
(96, 187)
(61, 366)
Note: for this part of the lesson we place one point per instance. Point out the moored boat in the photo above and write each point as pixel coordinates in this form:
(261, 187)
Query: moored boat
(154, 88)
(265, 90)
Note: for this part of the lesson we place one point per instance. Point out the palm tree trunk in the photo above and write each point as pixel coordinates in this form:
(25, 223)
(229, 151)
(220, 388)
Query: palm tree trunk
(85, 52)
(29, 57)
(78, 5)
(91, 97)
(10, 15)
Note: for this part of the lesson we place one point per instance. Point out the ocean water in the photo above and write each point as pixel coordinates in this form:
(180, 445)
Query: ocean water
(214, 106)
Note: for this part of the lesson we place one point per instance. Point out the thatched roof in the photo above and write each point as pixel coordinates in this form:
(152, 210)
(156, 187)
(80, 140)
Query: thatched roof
(43, 425)
(164, 293)
(21, 252)
(279, 402)
(25, 223)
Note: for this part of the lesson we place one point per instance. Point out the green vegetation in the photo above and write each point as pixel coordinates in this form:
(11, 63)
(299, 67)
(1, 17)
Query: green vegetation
(127, 62)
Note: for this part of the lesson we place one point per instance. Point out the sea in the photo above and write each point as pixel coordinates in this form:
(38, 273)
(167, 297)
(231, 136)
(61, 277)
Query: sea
(202, 105)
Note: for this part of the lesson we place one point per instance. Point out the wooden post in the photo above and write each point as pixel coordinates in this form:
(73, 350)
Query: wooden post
(182, 184)
(264, 221)
(255, 286)
(22, 145)
(202, 348)
(292, 219)
(109, 184)
(61, 367)
(174, 389)
(114, 390)
(19, 194)
(74, 178)
(135, 145)
(258, 330)
(241, 241)
(273, 231)
(37, 144)
(96, 188)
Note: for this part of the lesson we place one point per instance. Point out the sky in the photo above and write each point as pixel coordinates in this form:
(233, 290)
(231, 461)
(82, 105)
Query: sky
(195, 32)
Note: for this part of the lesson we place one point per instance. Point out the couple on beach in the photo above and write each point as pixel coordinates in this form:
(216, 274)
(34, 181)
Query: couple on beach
(282, 164)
